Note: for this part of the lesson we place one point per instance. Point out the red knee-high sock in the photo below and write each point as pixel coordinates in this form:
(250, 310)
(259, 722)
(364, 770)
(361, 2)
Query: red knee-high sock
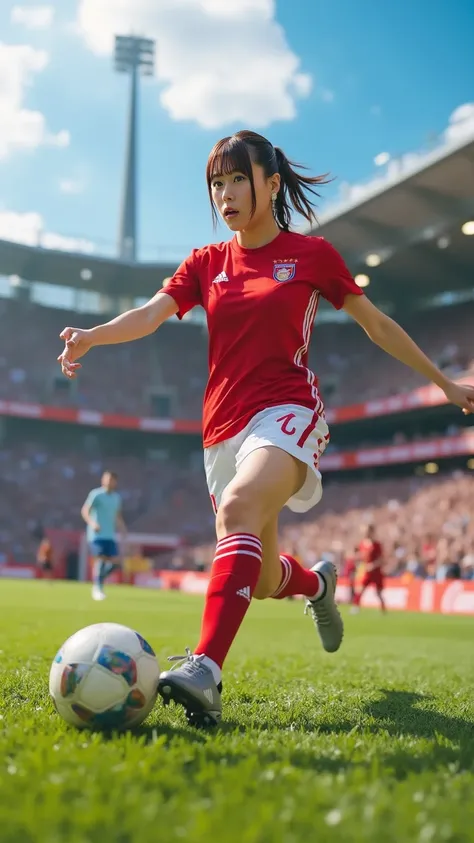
(298, 580)
(358, 592)
(234, 575)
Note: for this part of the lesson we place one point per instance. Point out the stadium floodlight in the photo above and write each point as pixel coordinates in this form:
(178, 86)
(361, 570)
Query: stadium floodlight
(470, 464)
(134, 56)
(431, 468)
(373, 260)
(468, 228)
(362, 280)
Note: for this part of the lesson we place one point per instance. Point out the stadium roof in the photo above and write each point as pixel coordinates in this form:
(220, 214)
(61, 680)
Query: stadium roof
(410, 219)
(81, 271)
(399, 217)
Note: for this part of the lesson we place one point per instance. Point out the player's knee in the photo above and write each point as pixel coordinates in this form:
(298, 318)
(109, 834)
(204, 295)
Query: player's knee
(237, 513)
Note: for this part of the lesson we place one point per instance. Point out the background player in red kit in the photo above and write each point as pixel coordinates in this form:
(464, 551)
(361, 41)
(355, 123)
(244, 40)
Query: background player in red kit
(263, 419)
(350, 571)
(371, 554)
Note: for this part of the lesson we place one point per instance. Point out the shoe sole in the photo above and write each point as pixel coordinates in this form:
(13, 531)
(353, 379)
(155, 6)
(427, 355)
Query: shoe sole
(196, 714)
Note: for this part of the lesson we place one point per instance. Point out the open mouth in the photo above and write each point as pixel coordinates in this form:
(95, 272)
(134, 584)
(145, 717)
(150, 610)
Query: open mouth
(229, 213)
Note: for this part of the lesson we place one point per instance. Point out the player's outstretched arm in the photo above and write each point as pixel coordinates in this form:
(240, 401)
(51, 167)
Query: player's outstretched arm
(388, 334)
(132, 325)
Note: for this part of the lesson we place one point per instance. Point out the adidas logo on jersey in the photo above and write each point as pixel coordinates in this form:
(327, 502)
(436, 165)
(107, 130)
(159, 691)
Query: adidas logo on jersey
(244, 592)
(220, 278)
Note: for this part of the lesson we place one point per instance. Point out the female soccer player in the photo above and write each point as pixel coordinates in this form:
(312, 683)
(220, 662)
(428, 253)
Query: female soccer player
(263, 420)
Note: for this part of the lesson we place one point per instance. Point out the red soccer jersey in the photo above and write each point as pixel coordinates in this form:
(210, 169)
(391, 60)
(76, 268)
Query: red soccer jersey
(260, 306)
(371, 552)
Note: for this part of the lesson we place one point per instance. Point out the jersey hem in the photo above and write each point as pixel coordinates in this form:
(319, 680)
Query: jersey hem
(236, 427)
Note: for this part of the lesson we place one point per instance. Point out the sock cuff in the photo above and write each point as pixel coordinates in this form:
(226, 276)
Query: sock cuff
(286, 574)
(244, 544)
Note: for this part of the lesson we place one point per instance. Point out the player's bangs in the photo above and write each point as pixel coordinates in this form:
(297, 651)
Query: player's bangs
(230, 155)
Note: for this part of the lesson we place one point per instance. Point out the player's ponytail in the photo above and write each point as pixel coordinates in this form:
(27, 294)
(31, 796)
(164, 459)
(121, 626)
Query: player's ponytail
(236, 154)
(294, 190)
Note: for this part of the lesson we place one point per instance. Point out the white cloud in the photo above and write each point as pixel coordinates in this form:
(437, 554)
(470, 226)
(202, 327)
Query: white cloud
(33, 17)
(29, 228)
(381, 159)
(20, 127)
(72, 187)
(461, 123)
(218, 61)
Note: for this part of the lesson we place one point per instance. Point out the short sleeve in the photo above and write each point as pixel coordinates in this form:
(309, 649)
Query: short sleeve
(91, 497)
(332, 276)
(184, 286)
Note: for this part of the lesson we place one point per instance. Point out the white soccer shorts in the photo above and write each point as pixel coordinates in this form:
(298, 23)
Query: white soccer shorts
(294, 429)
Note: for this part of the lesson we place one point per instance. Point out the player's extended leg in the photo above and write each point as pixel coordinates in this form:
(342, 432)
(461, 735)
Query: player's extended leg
(103, 566)
(264, 482)
(382, 601)
(98, 567)
(358, 592)
(110, 566)
(282, 576)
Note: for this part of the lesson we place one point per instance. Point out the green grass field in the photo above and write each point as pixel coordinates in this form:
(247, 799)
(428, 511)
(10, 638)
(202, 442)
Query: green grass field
(375, 743)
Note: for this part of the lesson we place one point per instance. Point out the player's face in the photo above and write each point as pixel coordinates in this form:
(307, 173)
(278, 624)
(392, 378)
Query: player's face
(232, 196)
(109, 482)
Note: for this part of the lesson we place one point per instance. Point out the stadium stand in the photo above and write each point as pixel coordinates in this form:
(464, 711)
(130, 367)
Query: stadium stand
(44, 482)
(165, 375)
(414, 224)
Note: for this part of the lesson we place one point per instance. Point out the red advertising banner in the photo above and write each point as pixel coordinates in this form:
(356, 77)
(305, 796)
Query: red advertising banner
(451, 597)
(18, 572)
(425, 396)
(428, 449)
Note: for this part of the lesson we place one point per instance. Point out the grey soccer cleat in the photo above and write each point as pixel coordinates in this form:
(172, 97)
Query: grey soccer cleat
(324, 611)
(192, 685)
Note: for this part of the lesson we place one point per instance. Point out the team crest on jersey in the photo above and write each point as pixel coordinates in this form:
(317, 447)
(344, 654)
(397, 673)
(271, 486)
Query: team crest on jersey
(284, 270)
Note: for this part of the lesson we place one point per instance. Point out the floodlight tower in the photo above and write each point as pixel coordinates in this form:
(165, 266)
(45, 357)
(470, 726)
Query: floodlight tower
(134, 56)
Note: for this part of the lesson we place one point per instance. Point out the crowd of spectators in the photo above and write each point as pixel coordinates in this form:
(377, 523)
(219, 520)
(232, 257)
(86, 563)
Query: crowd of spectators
(165, 374)
(425, 525)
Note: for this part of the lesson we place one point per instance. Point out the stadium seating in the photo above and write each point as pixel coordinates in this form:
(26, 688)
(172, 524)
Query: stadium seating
(165, 374)
(418, 519)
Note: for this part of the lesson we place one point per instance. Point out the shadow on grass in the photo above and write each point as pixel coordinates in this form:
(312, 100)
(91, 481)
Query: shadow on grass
(396, 713)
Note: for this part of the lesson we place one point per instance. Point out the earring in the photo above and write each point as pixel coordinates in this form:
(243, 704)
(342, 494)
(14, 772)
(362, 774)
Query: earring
(274, 201)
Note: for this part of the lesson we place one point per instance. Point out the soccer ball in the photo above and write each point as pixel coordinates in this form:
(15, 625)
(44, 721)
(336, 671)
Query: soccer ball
(104, 677)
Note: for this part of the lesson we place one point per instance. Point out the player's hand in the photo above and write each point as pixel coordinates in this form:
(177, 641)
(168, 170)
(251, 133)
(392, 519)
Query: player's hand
(461, 395)
(95, 527)
(77, 342)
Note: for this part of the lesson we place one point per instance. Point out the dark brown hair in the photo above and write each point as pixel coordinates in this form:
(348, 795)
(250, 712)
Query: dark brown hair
(236, 154)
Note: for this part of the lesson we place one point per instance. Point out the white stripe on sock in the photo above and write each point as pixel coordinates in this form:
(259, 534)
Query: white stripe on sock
(237, 539)
(240, 552)
(286, 575)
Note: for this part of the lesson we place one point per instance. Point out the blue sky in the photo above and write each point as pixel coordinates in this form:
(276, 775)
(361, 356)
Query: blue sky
(334, 84)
